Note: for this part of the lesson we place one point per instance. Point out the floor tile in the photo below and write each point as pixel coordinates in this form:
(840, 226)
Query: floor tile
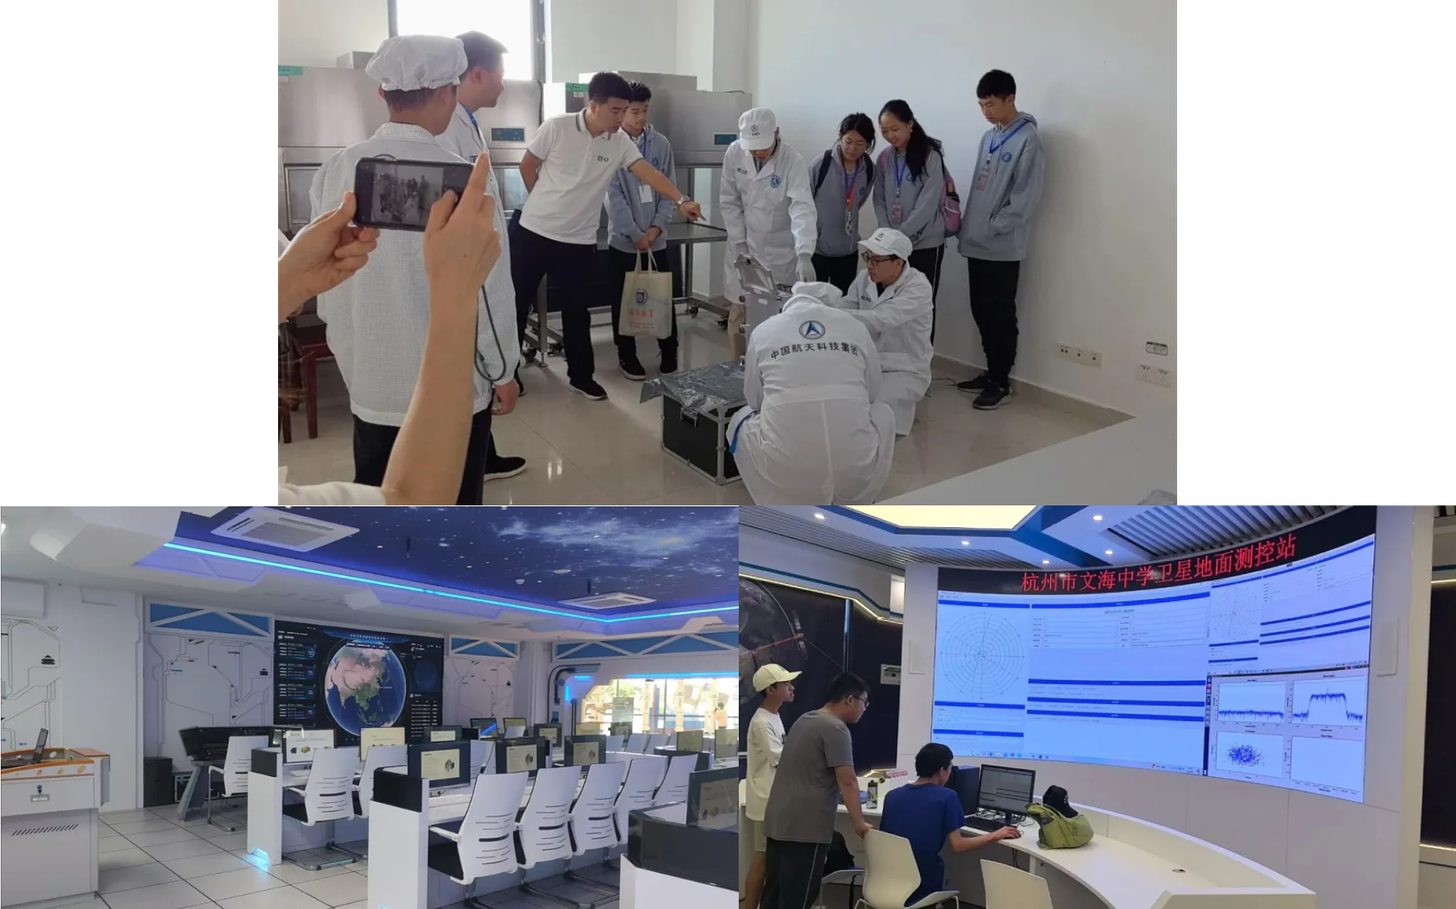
(151, 825)
(75, 901)
(293, 874)
(133, 877)
(116, 843)
(199, 865)
(231, 842)
(126, 817)
(176, 895)
(209, 832)
(157, 838)
(126, 858)
(236, 883)
(337, 890)
(166, 852)
(282, 898)
(362, 904)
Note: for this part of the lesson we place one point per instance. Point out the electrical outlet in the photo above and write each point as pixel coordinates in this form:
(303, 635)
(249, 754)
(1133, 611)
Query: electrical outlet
(1145, 373)
(1094, 358)
(1163, 377)
(1065, 351)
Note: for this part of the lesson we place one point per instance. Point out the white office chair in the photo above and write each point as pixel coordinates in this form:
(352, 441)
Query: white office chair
(543, 834)
(636, 743)
(593, 817)
(644, 777)
(615, 742)
(328, 795)
(234, 773)
(379, 756)
(672, 740)
(891, 875)
(1012, 888)
(482, 755)
(655, 741)
(674, 786)
(483, 844)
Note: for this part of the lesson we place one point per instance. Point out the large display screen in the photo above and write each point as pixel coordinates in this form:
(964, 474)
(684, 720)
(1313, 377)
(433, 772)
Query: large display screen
(349, 679)
(1249, 663)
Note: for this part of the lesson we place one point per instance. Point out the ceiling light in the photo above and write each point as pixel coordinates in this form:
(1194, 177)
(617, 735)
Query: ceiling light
(818, 515)
(909, 518)
(1107, 552)
(965, 542)
(1046, 561)
(1097, 517)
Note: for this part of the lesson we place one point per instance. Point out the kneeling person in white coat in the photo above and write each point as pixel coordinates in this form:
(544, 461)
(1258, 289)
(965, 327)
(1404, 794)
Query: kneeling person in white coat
(896, 303)
(814, 431)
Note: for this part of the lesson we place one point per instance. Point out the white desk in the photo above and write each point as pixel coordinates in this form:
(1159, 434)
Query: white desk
(267, 834)
(1122, 463)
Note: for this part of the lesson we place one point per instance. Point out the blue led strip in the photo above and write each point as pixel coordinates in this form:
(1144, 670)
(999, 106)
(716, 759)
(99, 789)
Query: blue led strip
(440, 593)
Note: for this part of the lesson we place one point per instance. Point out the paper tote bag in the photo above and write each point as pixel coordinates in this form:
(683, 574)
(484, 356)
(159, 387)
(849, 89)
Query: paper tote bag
(647, 301)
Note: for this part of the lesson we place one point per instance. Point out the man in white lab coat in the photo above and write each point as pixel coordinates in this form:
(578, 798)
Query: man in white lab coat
(895, 302)
(480, 86)
(768, 209)
(814, 431)
(377, 322)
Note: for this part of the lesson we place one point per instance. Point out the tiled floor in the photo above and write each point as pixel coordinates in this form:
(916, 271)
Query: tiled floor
(582, 452)
(150, 860)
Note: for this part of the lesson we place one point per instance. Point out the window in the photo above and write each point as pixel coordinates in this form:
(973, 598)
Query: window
(507, 21)
(668, 704)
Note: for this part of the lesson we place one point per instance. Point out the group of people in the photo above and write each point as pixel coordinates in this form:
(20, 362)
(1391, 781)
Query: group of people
(797, 781)
(836, 375)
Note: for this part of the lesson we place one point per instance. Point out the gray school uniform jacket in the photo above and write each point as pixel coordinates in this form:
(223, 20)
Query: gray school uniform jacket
(834, 239)
(997, 218)
(628, 217)
(920, 217)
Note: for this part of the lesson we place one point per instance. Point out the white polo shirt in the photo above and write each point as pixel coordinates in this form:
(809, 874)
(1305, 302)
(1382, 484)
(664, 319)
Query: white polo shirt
(566, 203)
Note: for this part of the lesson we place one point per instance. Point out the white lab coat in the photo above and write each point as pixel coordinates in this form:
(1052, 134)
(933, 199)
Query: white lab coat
(899, 322)
(769, 213)
(377, 319)
(465, 140)
(813, 432)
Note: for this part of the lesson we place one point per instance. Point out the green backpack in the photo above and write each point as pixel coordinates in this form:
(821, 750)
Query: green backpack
(1059, 832)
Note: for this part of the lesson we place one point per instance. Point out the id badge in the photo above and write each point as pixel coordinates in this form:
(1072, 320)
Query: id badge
(644, 193)
(897, 213)
(983, 178)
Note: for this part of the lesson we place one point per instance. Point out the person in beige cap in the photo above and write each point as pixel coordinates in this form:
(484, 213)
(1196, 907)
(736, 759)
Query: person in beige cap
(765, 742)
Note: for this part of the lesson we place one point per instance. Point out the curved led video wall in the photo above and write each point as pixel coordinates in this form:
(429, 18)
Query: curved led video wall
(1249, 663)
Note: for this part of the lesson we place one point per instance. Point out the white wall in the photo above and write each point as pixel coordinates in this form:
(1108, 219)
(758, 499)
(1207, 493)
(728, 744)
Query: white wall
(1354, 856)
(695, 40)
(1100, 77)
(92, 694)
(779, 558)
(478, 686)
(198, 679)
(586, 36)
(318, 32)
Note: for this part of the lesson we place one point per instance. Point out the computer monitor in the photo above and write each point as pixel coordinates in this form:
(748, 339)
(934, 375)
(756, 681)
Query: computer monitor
(520, 755)
(275, 738)
(442, 763)
(551, 732)
(713, 798)
(690, 740)
(484, 725)
(442, 734)
(589, 729)
(381, 735)
(514, 722)
(300, 745)
(966, 782)
(40, 743)
(1005, 789)
(623, 729)
(725, 744)
(584, 750)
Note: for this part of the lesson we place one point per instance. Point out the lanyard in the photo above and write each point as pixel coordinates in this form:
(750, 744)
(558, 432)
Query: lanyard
(475, 126)
(642, 143)
(992, 146)
(900, 172)
(850, 179)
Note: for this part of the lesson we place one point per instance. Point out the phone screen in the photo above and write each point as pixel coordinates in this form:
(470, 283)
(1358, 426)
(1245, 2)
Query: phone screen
(399, 194)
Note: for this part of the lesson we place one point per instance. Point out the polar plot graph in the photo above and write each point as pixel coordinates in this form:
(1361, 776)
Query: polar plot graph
(982, 655)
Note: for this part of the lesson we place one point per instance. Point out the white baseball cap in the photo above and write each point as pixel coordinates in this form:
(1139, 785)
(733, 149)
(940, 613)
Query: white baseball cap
(887, 242)
(756, 128)
(771, 674)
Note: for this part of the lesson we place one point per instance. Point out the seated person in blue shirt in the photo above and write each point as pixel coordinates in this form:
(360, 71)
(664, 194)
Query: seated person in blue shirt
(929, 815)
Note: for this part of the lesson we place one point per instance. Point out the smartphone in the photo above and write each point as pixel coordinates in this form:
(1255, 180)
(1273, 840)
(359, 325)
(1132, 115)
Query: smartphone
(397, 195)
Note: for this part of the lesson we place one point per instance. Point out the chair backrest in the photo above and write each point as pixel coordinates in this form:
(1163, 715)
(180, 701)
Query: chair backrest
(1012, 888)
(616, 742)
(593, 817)
(486, 844)
(658, 740)
(379, 756)
(239, 762)
(329, 794)
(482, 755)
(644, 777)
(674, 786)
(543, 832)
(891, 874)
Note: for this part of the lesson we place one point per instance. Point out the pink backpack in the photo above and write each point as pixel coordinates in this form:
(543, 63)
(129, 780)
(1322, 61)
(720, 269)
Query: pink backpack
(950, 203)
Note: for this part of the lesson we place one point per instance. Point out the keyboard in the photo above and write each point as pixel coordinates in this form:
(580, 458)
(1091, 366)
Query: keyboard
(985, 824)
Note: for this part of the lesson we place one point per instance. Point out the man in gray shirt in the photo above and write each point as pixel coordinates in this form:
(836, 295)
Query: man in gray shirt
(817, 764)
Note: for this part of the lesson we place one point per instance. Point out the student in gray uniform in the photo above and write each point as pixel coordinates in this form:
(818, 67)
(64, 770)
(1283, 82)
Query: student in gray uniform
(909, 188)
(815, 773)
(1010, 175)
(637, 219)
(843, 181)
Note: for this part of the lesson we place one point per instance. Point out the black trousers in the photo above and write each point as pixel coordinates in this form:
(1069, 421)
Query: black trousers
(623, 264)
(534, 257)
(792, 873)
(927, 262)
(837, 270)
(993, 305)
(373, 444)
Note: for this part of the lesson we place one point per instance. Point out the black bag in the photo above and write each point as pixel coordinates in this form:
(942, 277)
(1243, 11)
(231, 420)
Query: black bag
(838, 858)
(824, 170)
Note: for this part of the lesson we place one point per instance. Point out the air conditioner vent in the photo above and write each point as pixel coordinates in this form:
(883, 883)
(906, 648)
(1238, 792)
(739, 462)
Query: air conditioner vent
(282, 530)
(607, 601)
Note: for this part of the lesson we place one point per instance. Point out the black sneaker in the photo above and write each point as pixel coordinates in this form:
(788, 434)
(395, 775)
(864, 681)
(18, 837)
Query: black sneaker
(631, 367)
(669, 363)
(978, 384)
(589, 389)
(993, 397)
(498, 468)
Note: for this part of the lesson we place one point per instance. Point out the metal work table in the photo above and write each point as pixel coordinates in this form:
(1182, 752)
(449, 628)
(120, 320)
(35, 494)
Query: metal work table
(678, 234)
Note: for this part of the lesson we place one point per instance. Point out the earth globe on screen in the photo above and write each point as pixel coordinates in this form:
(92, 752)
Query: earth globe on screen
(364, 687)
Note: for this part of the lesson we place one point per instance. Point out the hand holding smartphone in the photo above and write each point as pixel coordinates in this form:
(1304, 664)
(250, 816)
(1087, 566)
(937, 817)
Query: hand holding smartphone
(398, 195)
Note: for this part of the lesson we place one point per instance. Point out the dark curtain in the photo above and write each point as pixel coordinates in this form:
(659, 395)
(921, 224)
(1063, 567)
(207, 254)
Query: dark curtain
(874, 644)
(1438, 797)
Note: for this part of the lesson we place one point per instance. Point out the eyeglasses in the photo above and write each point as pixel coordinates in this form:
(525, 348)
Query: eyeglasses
(876, 260)
(863, 699)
